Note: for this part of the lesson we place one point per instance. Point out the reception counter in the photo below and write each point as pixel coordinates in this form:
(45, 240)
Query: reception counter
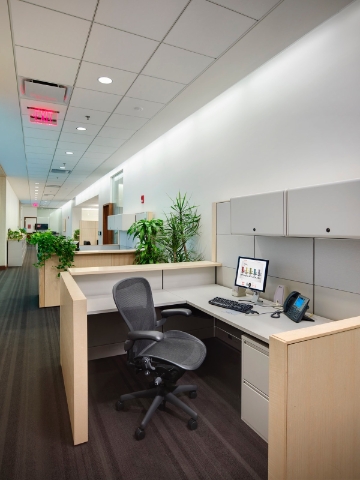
(49, 282)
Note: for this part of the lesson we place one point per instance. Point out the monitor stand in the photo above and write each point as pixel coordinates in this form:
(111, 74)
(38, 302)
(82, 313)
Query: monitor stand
(256, 299)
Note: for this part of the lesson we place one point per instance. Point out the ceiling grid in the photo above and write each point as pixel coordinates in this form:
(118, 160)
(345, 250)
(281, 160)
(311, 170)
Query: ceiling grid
(151, 50)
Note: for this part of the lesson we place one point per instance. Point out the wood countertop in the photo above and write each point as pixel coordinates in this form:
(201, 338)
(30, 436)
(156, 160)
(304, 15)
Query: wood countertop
(141, 268)
(100, 252)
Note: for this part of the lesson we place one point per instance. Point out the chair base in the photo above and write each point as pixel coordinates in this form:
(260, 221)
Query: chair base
(161, 395)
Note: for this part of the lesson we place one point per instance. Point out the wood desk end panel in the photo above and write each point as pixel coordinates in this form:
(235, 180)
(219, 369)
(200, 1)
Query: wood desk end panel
(73, 355)
(314, 402)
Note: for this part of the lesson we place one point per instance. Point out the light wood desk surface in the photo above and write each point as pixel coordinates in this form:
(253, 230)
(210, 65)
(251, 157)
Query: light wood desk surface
(259, 326)
(142, 268)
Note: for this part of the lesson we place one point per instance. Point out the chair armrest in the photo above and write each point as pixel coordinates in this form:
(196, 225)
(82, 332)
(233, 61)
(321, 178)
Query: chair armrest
(170, 312)
(146, 335)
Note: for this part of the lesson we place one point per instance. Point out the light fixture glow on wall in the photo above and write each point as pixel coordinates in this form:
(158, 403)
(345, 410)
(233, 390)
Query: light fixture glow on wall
(105, 80)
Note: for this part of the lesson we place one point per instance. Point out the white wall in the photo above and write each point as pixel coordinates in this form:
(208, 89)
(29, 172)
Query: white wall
(12, 208)
(91, 214)
(66, 216)
(55, 220)
(293, 122)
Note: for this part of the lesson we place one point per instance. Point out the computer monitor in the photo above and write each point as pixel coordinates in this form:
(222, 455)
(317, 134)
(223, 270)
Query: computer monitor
(252, 273)
(41, 226)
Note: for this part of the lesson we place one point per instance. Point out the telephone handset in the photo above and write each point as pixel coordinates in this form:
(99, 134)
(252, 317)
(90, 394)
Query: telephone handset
(295, 307)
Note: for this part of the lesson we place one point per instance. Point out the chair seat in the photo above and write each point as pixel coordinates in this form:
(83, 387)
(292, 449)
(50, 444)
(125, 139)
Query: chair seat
(178, 348)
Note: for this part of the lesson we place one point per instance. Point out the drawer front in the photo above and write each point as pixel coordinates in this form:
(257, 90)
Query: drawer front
(255, 366)
(228, 338)
(255, 410)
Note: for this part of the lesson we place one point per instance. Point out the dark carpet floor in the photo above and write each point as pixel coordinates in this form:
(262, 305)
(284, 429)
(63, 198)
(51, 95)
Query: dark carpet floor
(35, 432)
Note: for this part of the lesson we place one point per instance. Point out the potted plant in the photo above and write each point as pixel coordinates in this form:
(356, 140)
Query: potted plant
(49, 244)
(147, 232)
(16, 247)
(181, 228)
(77, 234)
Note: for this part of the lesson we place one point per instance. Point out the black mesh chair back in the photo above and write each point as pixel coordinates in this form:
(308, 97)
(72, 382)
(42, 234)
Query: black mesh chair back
(134, 301)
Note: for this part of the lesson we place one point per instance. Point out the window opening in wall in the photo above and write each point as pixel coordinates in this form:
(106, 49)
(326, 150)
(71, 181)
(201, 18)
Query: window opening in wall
(117, 194)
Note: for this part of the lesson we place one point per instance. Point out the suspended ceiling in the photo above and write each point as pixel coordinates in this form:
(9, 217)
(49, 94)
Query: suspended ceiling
(166, 58)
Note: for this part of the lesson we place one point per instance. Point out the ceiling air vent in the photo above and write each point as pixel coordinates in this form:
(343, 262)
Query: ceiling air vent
(60, 170)
(44, 91)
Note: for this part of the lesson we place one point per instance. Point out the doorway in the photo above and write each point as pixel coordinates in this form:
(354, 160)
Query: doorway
(108, 209)
(29, 224)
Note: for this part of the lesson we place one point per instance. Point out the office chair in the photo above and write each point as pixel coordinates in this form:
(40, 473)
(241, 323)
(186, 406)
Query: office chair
(166, 356)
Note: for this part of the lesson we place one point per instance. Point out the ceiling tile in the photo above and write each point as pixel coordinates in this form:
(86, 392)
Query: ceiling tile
(26, 102)
(31, 149)
(252, 8)
(45, 66)
(41, 134)
(71, 127)
(39, 156)
(207, 28)
(71, 147)
(176, 64)
(75, 114)
(154, 89)
(74, 138)
(58, 33)
(110, 142)
(126, 121)
(94, 156)
(101, 149)
(116, 133)
(89, 74)
(79, 8)
(149, 19)
(107, 46)
(37, 142)
(138, 108)
(103, 102)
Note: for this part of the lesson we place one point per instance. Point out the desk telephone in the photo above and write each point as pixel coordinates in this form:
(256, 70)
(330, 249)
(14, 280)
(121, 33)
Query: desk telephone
(295, 307)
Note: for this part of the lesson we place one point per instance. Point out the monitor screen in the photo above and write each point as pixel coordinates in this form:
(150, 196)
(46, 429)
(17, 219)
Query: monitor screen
(252, 273)
(41, 226)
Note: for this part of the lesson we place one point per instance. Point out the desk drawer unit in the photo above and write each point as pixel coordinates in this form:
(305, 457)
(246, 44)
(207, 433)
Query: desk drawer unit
(255, 385)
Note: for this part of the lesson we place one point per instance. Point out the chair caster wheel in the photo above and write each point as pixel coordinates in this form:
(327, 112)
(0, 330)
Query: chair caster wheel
(119, 405)
(139, 433)
(192, 424)
(193, 394)
(162, 406)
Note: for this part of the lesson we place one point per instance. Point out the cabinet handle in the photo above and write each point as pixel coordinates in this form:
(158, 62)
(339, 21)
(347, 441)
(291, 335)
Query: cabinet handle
(328, 230)
(254, 229)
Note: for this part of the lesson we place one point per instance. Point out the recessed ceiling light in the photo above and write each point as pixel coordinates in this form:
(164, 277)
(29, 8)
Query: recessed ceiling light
(138, 109)
(80, 128)
(105, 80)
(69, 153)
(36, 183)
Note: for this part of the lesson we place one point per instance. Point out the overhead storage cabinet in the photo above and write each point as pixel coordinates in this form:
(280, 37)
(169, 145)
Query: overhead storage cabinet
(330, 210)
(263, 214)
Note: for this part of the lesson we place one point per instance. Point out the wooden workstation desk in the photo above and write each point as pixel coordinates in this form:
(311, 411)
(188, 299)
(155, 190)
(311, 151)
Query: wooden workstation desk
(49, 282)
(306, 363)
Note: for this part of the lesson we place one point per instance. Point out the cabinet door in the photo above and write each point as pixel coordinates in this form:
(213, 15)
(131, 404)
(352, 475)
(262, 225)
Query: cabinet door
(255, 410)
(262, 214)
(330, 210)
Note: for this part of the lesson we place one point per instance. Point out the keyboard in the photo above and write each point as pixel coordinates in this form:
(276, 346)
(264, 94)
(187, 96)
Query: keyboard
(230, 304)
